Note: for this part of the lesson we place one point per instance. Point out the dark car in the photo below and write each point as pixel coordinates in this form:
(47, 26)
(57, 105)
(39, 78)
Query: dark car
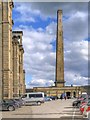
(53, 97)
(85, 100)
(7, 105)
(80, 100)
(76, 103)
(13, 102)
(47, 99)
(20, 101)
(18, 104)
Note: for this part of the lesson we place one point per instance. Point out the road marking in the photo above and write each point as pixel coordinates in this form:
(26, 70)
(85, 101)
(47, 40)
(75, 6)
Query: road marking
(74, 114)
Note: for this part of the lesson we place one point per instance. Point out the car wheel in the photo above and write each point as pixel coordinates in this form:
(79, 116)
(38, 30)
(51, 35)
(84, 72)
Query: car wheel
(38, 103)
(78, 105)
(11, 108)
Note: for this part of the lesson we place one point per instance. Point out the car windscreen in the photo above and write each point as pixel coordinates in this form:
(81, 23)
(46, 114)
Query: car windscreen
(24, 96)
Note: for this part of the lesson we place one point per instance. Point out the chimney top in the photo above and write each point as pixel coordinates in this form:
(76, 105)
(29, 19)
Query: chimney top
(59, 11)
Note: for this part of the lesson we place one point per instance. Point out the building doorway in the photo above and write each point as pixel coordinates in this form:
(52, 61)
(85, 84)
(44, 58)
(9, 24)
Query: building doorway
(68, 95)
(74, 94)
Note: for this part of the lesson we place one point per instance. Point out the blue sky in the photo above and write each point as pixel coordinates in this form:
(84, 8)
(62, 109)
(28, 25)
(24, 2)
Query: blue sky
(38, 22)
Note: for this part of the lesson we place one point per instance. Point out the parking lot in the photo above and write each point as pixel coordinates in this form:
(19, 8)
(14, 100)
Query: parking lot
(61, 109)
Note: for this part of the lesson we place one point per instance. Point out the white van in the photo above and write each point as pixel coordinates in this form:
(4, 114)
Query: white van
(34, 97)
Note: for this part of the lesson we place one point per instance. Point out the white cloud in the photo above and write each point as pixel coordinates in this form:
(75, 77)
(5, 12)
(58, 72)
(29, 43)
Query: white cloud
(39, 58)
(40, 83)
(76, 27)
(75, 79)
(48, 9)
(25, 12)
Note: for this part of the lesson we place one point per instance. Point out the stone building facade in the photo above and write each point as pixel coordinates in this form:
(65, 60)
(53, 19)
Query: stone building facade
(9, 64)
(74, 91)
(6, 48)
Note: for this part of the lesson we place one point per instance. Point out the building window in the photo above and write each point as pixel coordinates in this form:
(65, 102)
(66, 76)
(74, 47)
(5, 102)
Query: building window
(6, 95)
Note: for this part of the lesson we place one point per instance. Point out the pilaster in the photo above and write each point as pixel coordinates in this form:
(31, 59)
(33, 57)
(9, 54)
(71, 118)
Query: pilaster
(15, 58)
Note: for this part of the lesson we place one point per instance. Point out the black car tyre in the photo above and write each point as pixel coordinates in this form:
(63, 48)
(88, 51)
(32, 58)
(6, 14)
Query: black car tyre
(38, 103)
(11, 108)
(78, 105)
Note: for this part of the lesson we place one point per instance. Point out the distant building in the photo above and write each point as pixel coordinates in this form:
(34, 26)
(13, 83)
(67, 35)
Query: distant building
(12, 75)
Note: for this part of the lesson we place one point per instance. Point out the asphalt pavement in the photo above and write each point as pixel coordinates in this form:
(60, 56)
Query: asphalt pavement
(58, 109)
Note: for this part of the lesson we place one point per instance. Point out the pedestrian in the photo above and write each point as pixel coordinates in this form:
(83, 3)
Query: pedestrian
(65, 96)
(61, 97)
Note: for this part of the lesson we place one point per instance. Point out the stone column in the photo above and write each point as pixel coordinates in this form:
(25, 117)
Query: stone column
(59, 52)
(15, 66)
(21, 69)
(19, 34)
(6, 38)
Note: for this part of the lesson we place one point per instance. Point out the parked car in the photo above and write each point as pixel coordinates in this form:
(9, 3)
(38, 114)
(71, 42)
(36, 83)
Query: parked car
(86, 111)
(7, 105)
(82, 108)
(76, 103)
(47, 98)
(79, 101)
(87, 115)
(84, 95)
(85, 100)
(85, 103)
(20, 101)
(53, 97)
(85, 107)
(33, 98)
(15, 102)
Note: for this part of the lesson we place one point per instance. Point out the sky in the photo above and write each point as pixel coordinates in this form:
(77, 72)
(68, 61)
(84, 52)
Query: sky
(38, 21)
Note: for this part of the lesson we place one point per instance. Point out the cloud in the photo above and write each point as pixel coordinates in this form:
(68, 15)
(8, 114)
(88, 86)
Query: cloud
(39, 57)
(48, 9)
(76, 63)
(76, 27)
(25, 13)
(75, 79)
(40, 83)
